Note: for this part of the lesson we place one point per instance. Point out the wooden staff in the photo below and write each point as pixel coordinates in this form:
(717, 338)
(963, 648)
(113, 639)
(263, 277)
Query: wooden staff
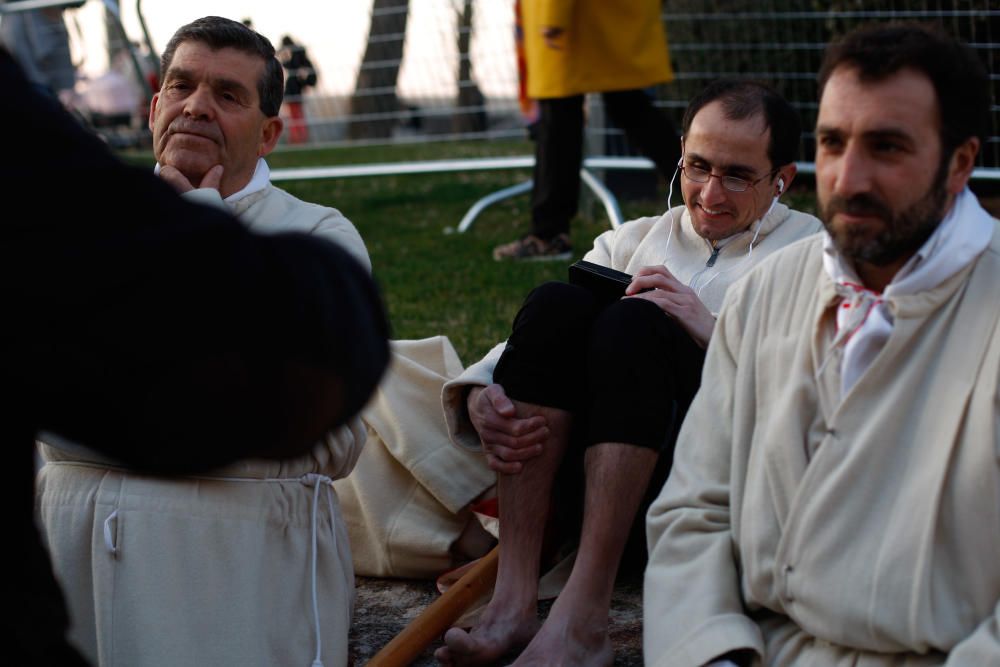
(439, 616)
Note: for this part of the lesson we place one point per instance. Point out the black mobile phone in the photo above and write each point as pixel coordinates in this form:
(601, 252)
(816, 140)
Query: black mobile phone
(605, 284)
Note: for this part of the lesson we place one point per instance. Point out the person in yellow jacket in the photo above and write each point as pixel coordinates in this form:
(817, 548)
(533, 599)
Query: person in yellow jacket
(574, 47)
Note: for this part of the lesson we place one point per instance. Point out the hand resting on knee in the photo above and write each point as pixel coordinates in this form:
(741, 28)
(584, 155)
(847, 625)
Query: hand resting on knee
(507, 439)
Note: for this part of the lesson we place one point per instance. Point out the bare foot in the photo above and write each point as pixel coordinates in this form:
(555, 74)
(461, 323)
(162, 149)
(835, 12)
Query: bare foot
(487, 643)
(568, 641)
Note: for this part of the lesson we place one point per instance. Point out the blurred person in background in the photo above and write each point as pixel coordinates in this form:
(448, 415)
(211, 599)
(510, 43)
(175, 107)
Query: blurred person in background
(573, 47)
(39, 42)
(299, 75)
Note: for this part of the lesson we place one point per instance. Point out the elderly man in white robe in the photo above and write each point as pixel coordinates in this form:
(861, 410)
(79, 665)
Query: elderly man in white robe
(251, 563)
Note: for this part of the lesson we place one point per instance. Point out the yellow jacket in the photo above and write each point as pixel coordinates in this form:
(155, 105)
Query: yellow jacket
(607, 45)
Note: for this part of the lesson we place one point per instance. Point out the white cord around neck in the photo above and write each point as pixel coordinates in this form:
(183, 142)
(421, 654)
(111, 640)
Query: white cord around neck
(756, 235)
(670, 209)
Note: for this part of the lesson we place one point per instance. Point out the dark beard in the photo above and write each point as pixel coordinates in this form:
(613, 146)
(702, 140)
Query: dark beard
(902, 234)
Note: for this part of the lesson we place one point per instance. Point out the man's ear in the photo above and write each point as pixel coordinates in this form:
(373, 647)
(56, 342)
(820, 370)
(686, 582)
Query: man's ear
(787, 175)
(962, 162)
(152, 110)
(270, 132)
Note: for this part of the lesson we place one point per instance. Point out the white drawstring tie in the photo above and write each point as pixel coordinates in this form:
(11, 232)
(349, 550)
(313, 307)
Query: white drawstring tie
(317, 481)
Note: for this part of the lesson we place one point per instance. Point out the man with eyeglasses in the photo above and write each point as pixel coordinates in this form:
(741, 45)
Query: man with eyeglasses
(580, 386)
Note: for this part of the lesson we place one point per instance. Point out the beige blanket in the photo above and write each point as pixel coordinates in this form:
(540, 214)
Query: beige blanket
(405, 503)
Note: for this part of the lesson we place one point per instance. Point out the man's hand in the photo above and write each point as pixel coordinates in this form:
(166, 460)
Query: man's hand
(675, 299)
(178, 181)
(507, 439)
(553, 36)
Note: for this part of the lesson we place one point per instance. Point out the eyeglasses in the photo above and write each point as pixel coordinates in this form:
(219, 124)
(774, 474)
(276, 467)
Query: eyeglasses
(731, 183)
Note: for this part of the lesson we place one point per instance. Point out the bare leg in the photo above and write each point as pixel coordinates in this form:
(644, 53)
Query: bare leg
(511, 618)
(576, 630)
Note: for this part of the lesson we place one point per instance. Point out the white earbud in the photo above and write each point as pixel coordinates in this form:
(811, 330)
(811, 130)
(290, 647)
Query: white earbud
(781, 185)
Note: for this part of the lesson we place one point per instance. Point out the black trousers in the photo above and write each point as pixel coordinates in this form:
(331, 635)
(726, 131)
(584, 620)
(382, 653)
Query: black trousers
(627, 372)
(559, 151)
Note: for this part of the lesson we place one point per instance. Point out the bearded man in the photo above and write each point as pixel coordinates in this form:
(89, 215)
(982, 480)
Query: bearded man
(835, 495)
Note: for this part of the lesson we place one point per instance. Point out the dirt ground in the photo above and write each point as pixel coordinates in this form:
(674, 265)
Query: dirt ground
(385, 606)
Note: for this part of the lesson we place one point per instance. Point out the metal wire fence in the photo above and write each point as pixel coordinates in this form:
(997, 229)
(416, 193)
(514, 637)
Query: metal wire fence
(430, 70)
(782, 42)
(458, 80)
(446, 70)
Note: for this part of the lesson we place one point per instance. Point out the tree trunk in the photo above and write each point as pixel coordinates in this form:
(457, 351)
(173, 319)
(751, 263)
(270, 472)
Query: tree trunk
(113, 32)
(374, 105)
(471, 113)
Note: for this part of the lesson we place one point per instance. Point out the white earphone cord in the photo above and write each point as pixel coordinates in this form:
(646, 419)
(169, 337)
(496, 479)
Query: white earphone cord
(756, 234)
(670, 207)
(746, 259)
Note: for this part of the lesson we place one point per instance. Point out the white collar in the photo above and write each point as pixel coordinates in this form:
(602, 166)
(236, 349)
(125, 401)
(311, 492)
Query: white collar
(864, 320)
(260, 179)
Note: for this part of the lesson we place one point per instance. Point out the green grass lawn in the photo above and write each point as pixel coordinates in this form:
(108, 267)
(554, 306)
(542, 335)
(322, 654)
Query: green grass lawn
(435, 282)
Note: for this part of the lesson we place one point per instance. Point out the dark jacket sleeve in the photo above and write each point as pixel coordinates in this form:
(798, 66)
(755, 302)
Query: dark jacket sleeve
(159, 332)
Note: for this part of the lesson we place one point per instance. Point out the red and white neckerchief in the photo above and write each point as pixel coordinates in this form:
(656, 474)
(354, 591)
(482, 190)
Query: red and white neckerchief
(864, 317)
(859, 310)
